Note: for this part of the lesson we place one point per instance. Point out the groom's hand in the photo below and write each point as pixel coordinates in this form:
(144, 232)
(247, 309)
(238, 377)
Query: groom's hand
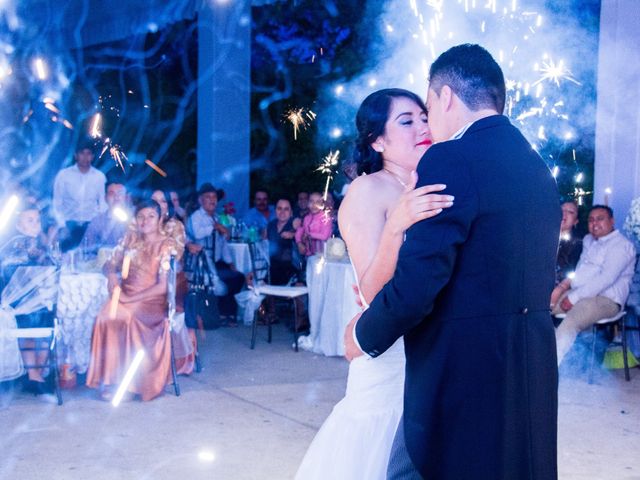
(351, 349)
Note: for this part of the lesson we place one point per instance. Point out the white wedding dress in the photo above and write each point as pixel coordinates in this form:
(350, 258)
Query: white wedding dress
(355, 440)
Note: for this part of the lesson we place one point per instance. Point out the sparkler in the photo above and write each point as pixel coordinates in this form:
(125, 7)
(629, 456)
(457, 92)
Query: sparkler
(155, 167)
(115, 151)
(95, 126)
(555, 72)
(131, 371)
(299, 117)
(126, 263)
(120, 214)
(579, 193)
(8, 210)
(326, 167)
(115, 298)
(40, 68)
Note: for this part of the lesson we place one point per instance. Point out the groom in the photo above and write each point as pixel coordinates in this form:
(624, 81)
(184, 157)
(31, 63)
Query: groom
(471, 294)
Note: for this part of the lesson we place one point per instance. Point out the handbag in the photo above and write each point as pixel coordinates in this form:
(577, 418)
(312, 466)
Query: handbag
(201, 304)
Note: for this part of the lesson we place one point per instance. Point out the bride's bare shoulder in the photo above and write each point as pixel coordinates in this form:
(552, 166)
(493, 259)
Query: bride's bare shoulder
(365, 194)
(365, 186)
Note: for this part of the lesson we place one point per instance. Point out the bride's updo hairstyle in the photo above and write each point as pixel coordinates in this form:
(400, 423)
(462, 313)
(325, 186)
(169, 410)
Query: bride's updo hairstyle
(370, 122)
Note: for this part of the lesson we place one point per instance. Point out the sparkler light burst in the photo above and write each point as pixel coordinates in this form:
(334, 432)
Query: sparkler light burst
(541, 90)
(555, 72)
(299, 118)
(327, 167)
(516, 37)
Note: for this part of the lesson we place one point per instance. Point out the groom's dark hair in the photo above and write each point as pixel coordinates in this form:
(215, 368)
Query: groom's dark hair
(472, 74)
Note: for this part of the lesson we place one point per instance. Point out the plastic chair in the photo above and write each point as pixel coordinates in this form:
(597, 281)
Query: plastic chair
(261, 286)
(40, 286)
(606, 322)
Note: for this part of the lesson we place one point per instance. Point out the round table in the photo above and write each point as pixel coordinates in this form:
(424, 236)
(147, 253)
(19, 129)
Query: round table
(241, 256)
(80, 298)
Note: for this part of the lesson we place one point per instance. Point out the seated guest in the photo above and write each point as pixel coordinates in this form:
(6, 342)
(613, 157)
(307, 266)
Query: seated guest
(261, 214)
(301, 208)
(26, 248)
(181, 213)
(570, 242)
(316, 227)
(283, 259)
(281, 236)
(205, 232)
(171, 224)
(108, 228)
(135, 318)
(601, 283)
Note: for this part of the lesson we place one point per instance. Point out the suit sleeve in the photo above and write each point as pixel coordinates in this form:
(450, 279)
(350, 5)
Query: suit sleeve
(427, 257)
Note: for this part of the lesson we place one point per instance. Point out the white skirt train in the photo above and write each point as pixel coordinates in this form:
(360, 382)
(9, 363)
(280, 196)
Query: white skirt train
(355, 440)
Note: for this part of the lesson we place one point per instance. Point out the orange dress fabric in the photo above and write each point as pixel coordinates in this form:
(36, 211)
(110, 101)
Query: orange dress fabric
(121, 332)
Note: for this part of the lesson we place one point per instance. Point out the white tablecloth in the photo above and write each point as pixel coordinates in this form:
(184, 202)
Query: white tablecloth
(242, 258)
(80, 298)
(332, 304)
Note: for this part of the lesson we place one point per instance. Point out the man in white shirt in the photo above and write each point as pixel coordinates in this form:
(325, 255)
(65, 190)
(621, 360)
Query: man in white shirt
(600, 286)
(78, 196)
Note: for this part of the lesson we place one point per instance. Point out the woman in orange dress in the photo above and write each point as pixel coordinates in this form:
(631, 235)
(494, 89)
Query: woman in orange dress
(135, 316)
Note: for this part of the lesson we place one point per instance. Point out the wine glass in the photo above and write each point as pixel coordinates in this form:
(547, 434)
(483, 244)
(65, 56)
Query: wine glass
(55, 253)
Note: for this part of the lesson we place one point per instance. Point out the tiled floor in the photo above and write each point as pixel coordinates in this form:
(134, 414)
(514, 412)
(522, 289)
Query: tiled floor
(252, 414)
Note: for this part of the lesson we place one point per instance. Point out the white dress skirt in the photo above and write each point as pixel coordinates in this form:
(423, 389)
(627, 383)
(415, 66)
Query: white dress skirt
(355, 440)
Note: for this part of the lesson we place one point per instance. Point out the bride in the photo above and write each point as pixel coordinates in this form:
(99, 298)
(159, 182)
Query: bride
(393, 134)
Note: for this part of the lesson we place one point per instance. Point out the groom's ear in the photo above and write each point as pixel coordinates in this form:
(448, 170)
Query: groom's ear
(446, 97)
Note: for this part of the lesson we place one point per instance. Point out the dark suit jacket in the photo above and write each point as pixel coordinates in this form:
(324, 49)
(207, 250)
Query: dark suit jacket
(471, 296)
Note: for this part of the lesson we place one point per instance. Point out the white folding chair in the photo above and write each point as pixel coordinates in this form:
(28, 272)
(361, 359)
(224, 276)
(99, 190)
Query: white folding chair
(617, 321)
(261, 286)
(32, 289)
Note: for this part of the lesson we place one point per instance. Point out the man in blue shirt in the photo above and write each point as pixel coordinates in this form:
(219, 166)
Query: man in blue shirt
(261, 214)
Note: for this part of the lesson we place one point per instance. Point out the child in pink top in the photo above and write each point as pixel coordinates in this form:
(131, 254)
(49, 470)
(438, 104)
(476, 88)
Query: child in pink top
(316, 227)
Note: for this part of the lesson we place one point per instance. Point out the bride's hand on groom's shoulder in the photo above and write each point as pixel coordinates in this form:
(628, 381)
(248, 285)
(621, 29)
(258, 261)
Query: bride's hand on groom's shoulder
(416, 204)
(356, 290)
(351, 349)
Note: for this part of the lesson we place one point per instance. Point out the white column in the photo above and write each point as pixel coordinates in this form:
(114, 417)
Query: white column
(224, 89)
(617, 163)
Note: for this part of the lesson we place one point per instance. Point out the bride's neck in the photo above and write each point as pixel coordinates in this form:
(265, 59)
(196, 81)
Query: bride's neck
(401, 173)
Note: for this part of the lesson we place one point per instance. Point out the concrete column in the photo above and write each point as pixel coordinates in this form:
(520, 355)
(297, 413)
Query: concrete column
(224, 67)
(617, 164)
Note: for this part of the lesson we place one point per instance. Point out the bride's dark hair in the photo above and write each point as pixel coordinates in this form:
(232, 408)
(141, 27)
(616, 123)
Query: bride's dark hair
(370, 121)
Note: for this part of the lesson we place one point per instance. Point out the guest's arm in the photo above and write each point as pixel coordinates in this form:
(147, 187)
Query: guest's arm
(155, 290)
(426, 259)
